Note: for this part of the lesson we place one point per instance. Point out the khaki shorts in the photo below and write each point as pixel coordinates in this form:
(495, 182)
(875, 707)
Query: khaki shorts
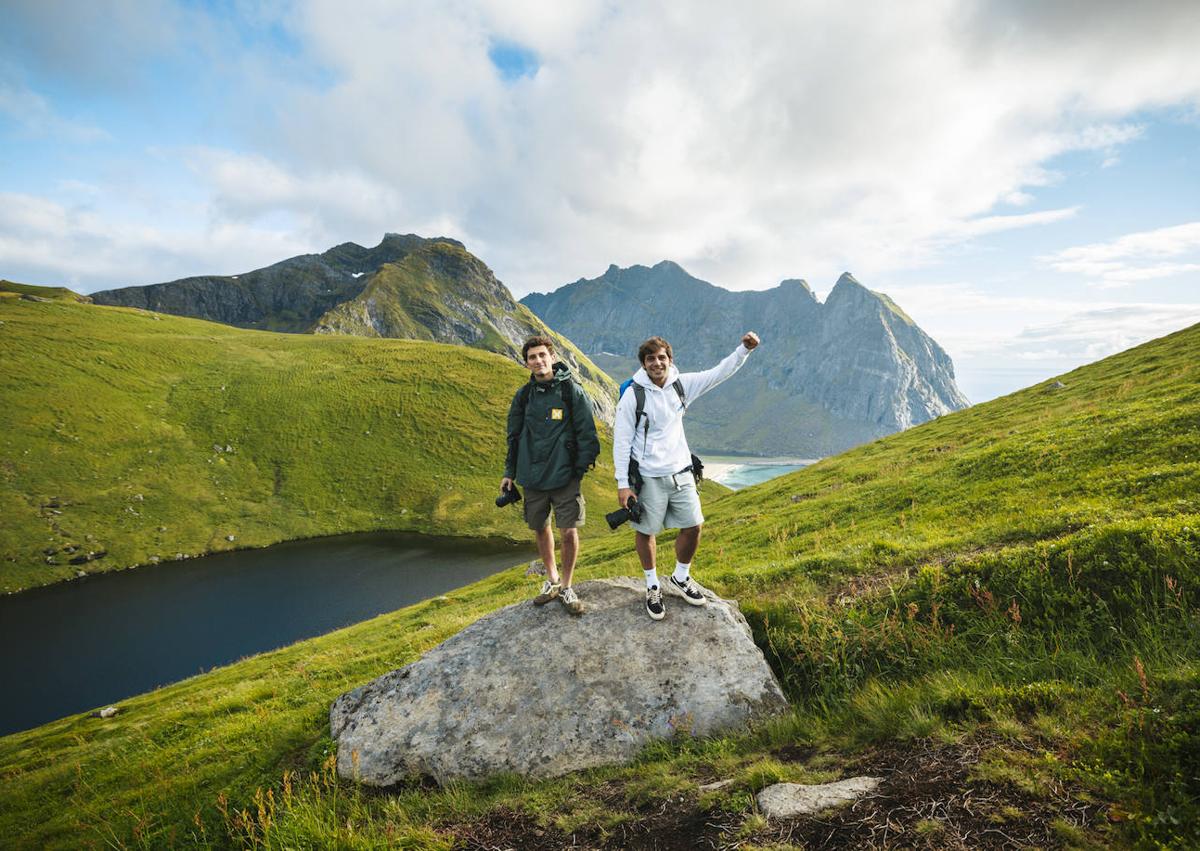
(669, 502)
(569, 507)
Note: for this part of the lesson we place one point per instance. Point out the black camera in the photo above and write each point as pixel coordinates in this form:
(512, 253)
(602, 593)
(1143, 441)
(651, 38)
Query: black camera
(507, 497)
(631, 511)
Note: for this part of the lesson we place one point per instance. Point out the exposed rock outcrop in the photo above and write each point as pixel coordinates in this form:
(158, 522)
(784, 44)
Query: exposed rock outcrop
(534, 691)
(287, 296)
(788, 800)
(829, 376)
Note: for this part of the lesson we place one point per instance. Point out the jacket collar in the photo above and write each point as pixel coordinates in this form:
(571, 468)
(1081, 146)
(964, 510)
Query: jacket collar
(562, 372)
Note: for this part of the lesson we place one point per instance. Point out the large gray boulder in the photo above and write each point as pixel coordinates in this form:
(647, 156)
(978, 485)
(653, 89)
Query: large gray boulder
(535, 691)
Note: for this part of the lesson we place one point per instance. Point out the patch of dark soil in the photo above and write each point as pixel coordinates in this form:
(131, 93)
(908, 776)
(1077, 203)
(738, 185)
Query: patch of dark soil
(865, 585)
(927, 800)
(674, 824)
(874, 584)
(794, 753)
(505, 829)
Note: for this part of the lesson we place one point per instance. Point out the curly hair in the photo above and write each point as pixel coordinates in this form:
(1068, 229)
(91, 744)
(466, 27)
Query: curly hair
(533, 343)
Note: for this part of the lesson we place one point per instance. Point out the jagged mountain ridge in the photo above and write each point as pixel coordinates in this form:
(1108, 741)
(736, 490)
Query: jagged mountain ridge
(829, 376)
(406, 287)
(290, 295)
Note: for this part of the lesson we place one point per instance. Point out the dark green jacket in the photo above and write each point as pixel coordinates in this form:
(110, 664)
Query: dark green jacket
(549, 441)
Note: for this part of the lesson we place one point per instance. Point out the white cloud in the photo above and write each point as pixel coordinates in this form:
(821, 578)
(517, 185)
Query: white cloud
(800, 140)
(995, 224)
(1100, 332)
(248, 187)
(793, 140)
(44, 242)
(978, 326)
(1134, 257)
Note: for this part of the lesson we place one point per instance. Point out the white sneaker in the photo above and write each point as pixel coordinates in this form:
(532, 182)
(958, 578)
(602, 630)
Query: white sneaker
(570, 601)
(654, 604)
(688, 590)
(549, 592)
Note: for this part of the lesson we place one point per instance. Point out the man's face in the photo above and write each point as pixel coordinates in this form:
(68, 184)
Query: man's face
(656, 365)
(540, 362)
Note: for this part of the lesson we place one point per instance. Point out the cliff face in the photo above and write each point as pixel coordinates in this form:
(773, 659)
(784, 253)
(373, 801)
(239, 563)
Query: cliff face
(406, 287)
(829, 375)
(287, 296)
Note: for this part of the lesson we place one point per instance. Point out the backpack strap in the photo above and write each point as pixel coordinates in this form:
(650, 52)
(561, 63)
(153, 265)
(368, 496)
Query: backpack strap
(567, 392)
(639, 395)
(678, 385)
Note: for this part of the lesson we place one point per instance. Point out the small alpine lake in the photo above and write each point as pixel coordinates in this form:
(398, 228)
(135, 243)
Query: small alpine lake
(75, 646)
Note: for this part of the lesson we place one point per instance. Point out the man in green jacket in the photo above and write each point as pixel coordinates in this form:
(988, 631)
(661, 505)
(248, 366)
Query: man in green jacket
(551, 445)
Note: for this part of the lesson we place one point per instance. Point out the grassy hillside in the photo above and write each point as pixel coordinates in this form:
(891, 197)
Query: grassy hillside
(995, 611)
(147, 437)
(9, 289)
(440, 291)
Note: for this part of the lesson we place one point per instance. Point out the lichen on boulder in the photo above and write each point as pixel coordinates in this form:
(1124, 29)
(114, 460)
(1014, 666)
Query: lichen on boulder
(534, 691)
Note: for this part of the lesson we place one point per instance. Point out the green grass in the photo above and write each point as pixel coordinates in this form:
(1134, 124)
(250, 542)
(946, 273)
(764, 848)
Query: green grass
(147, 436)
(9, 289)
(440, 290)
(1018, 580)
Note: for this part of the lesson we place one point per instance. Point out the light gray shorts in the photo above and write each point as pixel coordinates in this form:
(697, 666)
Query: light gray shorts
(669, 502)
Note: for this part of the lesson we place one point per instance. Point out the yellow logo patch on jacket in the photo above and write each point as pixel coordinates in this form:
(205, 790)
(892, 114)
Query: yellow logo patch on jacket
(556, 413)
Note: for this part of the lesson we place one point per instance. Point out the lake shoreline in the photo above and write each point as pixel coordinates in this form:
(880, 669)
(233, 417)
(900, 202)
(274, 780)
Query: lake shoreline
(84, 575)
(136, 631)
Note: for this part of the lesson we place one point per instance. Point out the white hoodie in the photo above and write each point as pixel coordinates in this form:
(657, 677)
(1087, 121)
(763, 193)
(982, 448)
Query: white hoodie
(662, 449)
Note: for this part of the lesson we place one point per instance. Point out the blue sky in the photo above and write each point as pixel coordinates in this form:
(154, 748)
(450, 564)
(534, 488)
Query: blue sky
(1022, 178)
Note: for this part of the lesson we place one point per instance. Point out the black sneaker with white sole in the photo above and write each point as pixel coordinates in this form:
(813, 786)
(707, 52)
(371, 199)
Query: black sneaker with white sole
(688, 590)
(654, 604)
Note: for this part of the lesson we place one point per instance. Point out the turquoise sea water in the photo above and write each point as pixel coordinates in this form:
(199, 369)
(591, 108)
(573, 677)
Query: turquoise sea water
(742, 471)
(753, 474)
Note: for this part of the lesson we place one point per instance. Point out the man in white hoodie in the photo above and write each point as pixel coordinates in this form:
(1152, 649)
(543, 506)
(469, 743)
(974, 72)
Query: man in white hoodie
(656, 441)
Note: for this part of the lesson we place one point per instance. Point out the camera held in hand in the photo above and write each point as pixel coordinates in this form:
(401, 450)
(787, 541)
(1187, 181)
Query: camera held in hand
(631, 511)
(507, 497)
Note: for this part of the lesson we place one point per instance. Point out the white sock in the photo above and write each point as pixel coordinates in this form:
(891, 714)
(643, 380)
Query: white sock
(651, 578)
(681, 571)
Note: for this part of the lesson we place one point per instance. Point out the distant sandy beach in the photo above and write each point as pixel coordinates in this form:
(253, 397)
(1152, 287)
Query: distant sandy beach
(739, 471)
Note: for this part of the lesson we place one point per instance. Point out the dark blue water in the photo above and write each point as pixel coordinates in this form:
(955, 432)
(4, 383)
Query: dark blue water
(80, 645)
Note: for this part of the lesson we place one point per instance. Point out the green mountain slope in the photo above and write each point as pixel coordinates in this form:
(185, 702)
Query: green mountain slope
(440, 291)
(9, 289)
(996, 611)
(145, 437)
(406, 287)
(287, 296)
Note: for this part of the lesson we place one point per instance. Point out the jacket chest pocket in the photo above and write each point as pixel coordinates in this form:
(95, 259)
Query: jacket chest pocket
(546, 429)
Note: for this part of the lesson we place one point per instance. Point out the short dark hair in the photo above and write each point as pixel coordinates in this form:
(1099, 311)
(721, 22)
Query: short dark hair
(533, 342)
(653, 345)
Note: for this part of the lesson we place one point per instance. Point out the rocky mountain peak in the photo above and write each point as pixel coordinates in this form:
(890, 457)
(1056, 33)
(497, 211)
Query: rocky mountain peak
(797, 285)
(831, 375)
(847, 286)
